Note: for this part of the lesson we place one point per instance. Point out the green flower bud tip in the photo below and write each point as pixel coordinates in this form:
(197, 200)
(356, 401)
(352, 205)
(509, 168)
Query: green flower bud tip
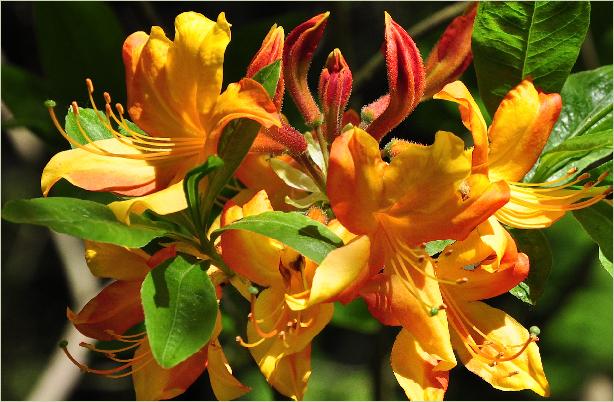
(534, 330)
(49, 103)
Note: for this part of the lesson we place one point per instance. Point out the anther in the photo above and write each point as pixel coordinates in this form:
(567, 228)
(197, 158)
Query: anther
(422, 245)
(120, 108)
(534, 330)
(513, 373)
(501, 355)
(448, 252)
(238, 339)
(421, 259)
(107, 97)
(572, 170)
(433, 311)
(443, 306)
(462, 280)
(49, 103)
(588, 184)
(492, 364)
(603, 176)
(583, 176)
(75, 108)
(90, 85)
(63, 343)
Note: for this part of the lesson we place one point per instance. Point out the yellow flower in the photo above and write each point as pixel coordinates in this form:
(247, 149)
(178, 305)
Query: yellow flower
(296, 302)
(117, 308)
(488, 341)
(511, 146)
(173, 95)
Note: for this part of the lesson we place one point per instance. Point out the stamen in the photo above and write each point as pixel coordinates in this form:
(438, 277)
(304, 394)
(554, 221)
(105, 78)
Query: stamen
(241, 342)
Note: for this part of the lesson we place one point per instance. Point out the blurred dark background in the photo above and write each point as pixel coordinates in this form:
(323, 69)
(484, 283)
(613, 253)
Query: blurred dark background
(48, 49)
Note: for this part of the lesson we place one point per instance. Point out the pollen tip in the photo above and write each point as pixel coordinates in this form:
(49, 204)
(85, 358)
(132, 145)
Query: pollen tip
(49, 103)
(90, 85)
(572, 170)
(462, 280)
(107, 97)
(120, 108)
(75, 108)
(603, 175)
(238, 338)
(63, 343)
(584, 176)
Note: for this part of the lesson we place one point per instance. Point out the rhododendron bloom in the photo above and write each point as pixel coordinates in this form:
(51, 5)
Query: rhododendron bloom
(117, 308)
(511, 146)
(174, 96)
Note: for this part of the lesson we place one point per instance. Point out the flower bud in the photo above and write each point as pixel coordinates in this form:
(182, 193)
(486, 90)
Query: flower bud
(405, 81)
(451, 55)
(298, 52)
(334, 90)
(270, 51)
(276, 140)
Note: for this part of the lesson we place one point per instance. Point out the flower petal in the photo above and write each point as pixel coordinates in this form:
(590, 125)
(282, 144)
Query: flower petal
(254, 256)
(167, 201)
(292, 373)
(95, 172)
(225, 386)
(472, 119)
(519, 131)
(116, 308)
(152, 382)
(414, 370)
(523, 372)
(110, 261)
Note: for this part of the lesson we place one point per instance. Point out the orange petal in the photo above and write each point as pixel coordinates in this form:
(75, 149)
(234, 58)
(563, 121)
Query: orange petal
(225, 386)
(116, 308)
(167, 201)
(95, 172)
(519, 131)
(354, 183)
(254, 256)
(110, 261)
(472, 119)
(292, 373)
(415, 370)
(377, 293)
(153, 382)
(523, 372)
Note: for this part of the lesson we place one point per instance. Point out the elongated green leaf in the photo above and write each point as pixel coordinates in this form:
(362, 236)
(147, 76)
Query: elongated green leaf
(587, 106)
(91, 125)
(308, 237)
(234, 144)
(579, 152)
(597, 222)
(516, 40)
(80, 218)
(536, 246)
(191, 184)
(180, 308)
(587, 109)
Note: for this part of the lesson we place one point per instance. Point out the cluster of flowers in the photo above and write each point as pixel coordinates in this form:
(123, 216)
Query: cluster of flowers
(385, 203)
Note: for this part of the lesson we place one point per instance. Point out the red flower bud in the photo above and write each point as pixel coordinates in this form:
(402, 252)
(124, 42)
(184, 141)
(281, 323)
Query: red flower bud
(270, 51)
(276, 140)
(405, 81)
(334, 90)
(298, 52)
(452, 53)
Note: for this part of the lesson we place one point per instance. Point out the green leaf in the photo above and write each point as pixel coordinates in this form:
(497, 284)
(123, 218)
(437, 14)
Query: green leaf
(605, 263)
(587, 106)
(310, 238)
(191, 184)
(130, 127)
(597, 222)
(90, 123)
(536, 246)
(180, 308)
(579, 152)
(437, 246)
(516, 40)
(80, 218)
(237, 138)
(355, 316)
(605, 167)
(269, 76)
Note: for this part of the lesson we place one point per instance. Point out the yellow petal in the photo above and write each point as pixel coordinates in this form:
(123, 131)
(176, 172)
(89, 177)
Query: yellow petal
(414, 370)
(523, 372)
(472, 119)
(110, 261)
(225, 386)
(167, 201)
(96, 172)
(341, 269)
(153, 382)
(292, 373)
(519, 131)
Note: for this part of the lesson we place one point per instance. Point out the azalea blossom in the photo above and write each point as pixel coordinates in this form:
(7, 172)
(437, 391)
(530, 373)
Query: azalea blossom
(509, 148)
(117, 308)
(174, 96)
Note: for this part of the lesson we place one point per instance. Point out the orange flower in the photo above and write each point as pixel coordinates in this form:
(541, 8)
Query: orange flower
(488, 341)
(174, 95)
(117, 308)
(511, 146)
